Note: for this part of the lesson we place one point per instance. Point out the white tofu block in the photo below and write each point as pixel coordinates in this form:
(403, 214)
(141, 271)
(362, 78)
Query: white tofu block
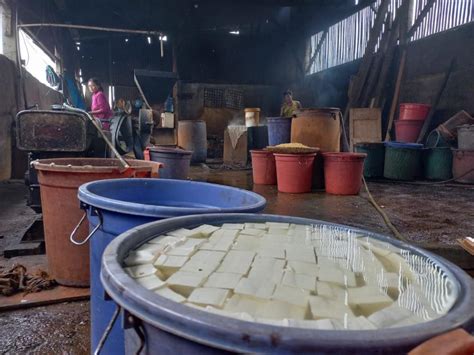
(277, 231)
(170, 262)
(224, 243)
(166, 240)
(279, 310)
(271, 252)
(331, 291)
(234, 226)
(223, 280)
(180, 251)
(252, 231)
(321, 324)
(223, 233)
(267, 269)
(337, 276)
(139, 257)
(295, 296)
(247, 242)
(261, 226)
(203, 231)
(167, 293)
(322, 307)
(140, 270)
(151, 282)
(255, 287)
(237, 261)
(276, 239)
(304, 268)
(389, 316)
(300, 227)
(396, 263)
(275, 322)
(153, 248)
(407, 322)
(303, 253)
(368, 299)
(180, 233)
(192, 243)
(280, 225)
(207, 296)
(185, 282)
(240, 303)
(238, 315)
(355, 323)
(302, 281)
(204, 262)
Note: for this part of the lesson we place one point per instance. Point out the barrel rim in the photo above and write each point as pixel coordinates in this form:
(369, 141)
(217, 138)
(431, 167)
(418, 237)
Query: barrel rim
(53, 166)
(228, 333)
(170, 150)
(414, 146)
(347, 156)
(90, 198)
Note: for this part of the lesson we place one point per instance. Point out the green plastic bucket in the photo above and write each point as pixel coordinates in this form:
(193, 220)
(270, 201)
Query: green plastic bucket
(402, 161)
(438, 163)
(374, 162)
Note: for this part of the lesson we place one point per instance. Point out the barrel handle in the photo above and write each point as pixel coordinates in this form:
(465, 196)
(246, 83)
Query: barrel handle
(71, 237)
(107, 331)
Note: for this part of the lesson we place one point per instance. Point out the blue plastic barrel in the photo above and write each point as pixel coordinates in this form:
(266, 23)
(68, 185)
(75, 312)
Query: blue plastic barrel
(279, 130)
(170, 327)
(121, 204)
(175, 162)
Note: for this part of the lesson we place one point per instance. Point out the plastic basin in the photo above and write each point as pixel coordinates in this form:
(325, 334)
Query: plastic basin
(279, 130)
(169, 326)
(263, 167)
(410, 111)
(343, 172)
(402, 161)
(375, 160)
(175, 161)
(294, 172)
(123, 204)
(408, 130)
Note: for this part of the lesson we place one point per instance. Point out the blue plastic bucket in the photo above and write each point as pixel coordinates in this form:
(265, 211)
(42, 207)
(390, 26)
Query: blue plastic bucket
(169, 327)
(115, 206)
(175, 161)
(279, 130)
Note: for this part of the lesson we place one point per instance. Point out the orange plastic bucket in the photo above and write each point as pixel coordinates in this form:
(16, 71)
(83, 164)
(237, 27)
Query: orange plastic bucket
(407, 131)
(294, 172)
(414, 111)
(59, 181)
(263, 167)
(343, 172)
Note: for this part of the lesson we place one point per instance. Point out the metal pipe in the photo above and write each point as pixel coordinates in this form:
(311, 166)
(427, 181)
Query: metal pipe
(94, 28)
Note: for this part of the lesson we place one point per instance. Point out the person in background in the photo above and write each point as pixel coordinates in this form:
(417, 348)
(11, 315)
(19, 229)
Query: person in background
(289, 106)
(100, 108)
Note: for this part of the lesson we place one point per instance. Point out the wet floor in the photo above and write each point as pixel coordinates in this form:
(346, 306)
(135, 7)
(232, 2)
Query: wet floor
(424, 214)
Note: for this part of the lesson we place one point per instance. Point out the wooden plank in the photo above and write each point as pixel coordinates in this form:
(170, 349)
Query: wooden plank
(427, 123)
(56, 295)
(420, 18)
(396, 93)
(365, 125)
(361, 78)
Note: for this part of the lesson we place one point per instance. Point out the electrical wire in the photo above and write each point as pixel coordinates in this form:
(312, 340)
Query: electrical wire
(374, 203)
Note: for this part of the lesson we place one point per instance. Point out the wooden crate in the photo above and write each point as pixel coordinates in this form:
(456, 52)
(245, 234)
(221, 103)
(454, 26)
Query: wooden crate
(365, 125)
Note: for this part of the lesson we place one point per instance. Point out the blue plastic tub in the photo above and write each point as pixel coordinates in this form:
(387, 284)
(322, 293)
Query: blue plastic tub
(279, 130)
(175, 162)
(170, 327)
(115, 206)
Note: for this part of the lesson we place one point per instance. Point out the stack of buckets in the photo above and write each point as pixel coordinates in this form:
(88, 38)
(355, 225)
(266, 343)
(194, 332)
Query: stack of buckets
(293, 173)
(463, 157)
(410, 122)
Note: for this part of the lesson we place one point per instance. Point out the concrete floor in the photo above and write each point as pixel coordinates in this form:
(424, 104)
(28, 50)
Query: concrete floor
(431, 215)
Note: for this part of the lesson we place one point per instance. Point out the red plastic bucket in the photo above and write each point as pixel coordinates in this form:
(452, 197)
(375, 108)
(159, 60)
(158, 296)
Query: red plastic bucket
(343, 172)
(294, 172)
(263, 167)
(407, 131)
(414, 111)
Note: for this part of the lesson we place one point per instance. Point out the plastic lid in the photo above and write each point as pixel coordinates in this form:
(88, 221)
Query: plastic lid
(403, 145)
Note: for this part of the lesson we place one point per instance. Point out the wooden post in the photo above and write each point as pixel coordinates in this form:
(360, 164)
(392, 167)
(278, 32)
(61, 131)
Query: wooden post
(396, 93)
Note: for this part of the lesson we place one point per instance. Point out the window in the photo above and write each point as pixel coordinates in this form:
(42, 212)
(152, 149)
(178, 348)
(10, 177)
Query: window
(35, 59)
(443, 15)
(346, 40)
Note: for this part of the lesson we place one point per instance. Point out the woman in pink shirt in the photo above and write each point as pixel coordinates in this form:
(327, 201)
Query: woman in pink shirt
(100, 107)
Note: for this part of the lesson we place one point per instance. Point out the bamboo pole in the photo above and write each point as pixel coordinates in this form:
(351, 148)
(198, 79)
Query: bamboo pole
(93, 28)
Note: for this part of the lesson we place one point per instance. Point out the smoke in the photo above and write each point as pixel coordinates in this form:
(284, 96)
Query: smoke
(238, 119)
